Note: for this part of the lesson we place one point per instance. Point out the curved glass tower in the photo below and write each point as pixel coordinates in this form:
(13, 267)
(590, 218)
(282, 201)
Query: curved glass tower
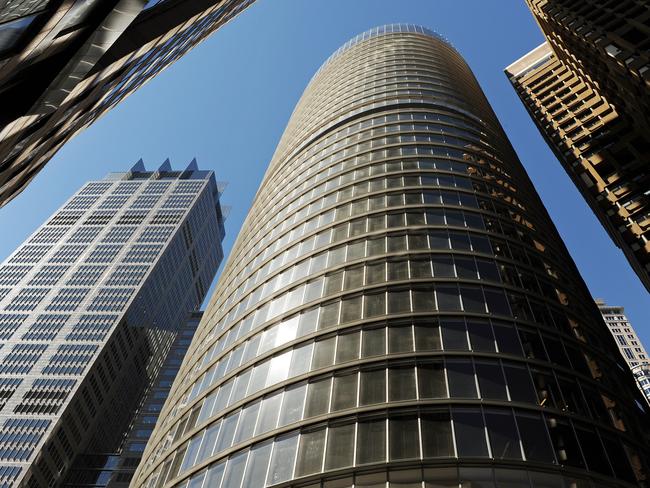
(398, 309)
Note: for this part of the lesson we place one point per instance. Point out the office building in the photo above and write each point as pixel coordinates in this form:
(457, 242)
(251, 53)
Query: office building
(90, 305)
(65, 64)
(587, 88)
(629, 344)
(115, 470)
(398, 308)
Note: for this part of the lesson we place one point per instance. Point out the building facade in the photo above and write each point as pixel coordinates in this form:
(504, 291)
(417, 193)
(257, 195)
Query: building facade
(588, 91)
(116, 469)
(629, 344)
(90, 305)
(398, 308)
(63, 64)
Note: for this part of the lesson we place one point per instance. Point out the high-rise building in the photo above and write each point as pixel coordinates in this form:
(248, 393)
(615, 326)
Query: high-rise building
(115, 470)
(629, 344)
(398, 308)
(90, 305)
(64, 64)
(588, 91)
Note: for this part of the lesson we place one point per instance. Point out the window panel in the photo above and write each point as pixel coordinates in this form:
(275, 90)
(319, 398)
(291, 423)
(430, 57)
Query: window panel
(372, 387)
(436, 435)
(371, 441)
(340, 446)
(310, 452)
(282, 460)
(470, 433)
(404, 438)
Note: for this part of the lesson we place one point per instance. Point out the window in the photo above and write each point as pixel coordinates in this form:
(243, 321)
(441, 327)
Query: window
(371, 441)
(436, 435)
(470, 433)
(404, 438)
(310, 452)
(340, 446)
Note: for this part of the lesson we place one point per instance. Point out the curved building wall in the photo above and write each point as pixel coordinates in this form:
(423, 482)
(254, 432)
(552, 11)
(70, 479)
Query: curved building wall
(398, 307)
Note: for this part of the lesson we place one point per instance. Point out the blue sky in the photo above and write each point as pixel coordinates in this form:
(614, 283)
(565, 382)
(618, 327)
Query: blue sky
(228, 101)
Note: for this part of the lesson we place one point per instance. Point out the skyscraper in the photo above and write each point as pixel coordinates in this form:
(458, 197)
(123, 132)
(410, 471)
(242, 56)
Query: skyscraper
(89, 307)
(115, 470)
(398, 307)
(64, 64)
(629, 344)
(588, 91)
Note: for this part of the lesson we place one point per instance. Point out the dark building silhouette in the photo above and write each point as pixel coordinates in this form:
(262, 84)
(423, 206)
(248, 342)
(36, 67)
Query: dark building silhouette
(398, 309)
(90, 306)
(588, 90)
(64, 63)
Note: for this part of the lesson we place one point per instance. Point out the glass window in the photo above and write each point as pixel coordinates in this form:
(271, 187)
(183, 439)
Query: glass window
(376, 272)
(491, 381)
(269, 413)
(300, 360)
(448, 298)
(227, 432)
(235, 469)
(284, 453)
(480, 335)
(398, 270)
(215, 473)
(520, 384)
(372, 387)
(375, 304)
(318, 396)
(400, 339)
(503, 434)
(496, 301)
(507, 339)
(371, 441)
(427, 336)
(404, 438)
(470, 433)
(340, 446)
(373, 342)
(351, 308)
(436, 435)
(465, 267)
(347, 347)
(292, 404)
(258, 462)
(565, 442)
(593, 450)
(534, 438)
(401, 383)
(399, 301)
(344, 394)
(472, 299)
(310, 452)
(443, 266)
(324, 353)
(208, 443)
(423, 299)
(454, 335)
(246, 426)
(460, 375)
(431, 380)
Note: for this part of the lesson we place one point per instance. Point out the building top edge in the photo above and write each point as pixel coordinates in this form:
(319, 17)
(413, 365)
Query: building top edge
(529, 61)
(380, 31)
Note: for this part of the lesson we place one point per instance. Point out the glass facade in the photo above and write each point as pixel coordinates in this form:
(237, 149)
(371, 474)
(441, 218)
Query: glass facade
(90, 307)
(398, 309)
(56, 78)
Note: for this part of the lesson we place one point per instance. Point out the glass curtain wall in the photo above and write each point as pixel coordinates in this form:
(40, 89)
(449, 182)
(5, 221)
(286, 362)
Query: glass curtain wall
(398, 309)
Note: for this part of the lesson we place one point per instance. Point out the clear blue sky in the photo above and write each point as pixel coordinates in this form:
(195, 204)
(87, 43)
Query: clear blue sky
(228, 101)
